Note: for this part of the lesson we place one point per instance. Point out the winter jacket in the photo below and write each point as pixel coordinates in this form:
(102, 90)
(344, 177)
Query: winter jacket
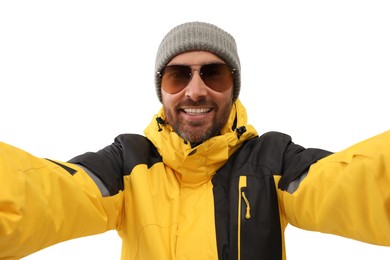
(230, 197)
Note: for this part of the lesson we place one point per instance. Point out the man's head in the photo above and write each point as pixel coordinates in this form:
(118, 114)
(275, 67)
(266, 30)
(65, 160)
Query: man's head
(198, 36)
(197, 79)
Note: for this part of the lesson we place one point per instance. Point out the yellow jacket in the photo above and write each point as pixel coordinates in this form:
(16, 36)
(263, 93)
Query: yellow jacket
(228, 198)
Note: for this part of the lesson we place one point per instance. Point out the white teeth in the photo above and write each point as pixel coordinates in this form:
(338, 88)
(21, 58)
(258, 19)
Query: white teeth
(195, 111)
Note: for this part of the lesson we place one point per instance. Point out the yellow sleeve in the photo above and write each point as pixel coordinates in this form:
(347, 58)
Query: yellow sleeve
(42, 204)
(347, 193)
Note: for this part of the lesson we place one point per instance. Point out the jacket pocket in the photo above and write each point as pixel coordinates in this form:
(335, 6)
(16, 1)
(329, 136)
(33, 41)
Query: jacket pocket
(244, 210)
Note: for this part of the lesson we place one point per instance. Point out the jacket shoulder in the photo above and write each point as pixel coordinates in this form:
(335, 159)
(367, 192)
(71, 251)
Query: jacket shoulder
(274, 153)
(114, 161)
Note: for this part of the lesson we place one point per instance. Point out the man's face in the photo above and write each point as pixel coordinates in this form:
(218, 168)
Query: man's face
(197, 112)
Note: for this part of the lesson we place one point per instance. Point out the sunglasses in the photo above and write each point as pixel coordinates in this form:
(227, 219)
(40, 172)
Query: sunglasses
(217, 76)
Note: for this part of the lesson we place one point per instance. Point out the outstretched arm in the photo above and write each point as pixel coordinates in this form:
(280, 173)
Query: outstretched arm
(45, 202)
(347, 193)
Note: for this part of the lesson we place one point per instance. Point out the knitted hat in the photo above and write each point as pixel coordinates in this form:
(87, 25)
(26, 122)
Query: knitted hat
(198, 36)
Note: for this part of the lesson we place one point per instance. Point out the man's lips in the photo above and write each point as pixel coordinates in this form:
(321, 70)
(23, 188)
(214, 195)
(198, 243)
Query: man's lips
(197, 111)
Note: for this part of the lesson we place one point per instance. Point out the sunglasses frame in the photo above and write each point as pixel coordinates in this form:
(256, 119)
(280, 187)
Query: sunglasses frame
(161, 73)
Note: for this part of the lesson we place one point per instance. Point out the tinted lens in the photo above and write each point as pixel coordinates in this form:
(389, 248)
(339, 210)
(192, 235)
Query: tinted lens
(218, 77)
(175, 78)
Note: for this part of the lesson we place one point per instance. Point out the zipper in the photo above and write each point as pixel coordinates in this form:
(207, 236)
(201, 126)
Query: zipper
(242, 184)
(248, 206)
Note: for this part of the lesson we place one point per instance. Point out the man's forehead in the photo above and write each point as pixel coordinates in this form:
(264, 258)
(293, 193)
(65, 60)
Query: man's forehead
(195, 57)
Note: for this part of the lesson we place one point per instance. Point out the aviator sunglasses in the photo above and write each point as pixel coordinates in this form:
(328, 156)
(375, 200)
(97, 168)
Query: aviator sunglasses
(217, 76)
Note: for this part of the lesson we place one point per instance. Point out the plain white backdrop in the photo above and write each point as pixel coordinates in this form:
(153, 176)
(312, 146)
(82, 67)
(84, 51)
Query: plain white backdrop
(74, 74)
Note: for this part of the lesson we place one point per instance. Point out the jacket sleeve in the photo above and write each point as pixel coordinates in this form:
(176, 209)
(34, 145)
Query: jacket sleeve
(346, 193)
(44, 202)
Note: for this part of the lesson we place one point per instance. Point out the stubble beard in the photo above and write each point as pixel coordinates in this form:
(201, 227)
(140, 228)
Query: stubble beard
(198, 132)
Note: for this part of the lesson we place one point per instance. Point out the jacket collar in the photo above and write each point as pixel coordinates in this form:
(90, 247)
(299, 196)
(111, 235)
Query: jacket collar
(198, 164)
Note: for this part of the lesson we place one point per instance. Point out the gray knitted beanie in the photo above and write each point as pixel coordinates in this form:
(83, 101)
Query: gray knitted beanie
(198, 36)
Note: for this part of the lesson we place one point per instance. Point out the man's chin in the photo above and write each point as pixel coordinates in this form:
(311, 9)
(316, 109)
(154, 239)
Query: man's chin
(196, 135)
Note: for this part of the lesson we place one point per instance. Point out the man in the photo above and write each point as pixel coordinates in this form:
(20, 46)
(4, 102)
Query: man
(201, 184)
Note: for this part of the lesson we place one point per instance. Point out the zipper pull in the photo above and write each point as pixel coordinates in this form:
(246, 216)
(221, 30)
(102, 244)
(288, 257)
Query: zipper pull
(248, 206)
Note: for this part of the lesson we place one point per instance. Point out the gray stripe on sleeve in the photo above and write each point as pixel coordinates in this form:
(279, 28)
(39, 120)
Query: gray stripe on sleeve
(293, 186)
(103, 189)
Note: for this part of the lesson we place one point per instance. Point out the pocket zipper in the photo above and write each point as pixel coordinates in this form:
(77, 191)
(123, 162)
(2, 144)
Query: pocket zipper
(242, 184)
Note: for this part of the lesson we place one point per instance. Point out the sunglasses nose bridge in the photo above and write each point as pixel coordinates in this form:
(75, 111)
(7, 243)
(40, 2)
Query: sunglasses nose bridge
(193, 70)
(200, 74)
(196, 87)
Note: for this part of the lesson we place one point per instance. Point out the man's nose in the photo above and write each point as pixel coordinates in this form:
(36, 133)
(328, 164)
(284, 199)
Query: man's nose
(196, 88)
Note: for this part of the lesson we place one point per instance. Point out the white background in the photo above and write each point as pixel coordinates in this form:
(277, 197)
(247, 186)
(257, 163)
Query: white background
(76, 73)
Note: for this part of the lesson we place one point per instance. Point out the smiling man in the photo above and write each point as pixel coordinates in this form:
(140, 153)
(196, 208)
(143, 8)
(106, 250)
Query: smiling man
(197, 94)
(201, 183)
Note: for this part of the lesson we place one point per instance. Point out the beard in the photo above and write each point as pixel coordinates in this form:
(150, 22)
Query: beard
(197, 132)
(196, 137)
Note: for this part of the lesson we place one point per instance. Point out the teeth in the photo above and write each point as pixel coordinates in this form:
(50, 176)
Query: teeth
(196, 110)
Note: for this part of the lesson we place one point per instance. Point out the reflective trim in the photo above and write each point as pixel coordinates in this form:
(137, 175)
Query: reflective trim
(293, 186)
(103, 189)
